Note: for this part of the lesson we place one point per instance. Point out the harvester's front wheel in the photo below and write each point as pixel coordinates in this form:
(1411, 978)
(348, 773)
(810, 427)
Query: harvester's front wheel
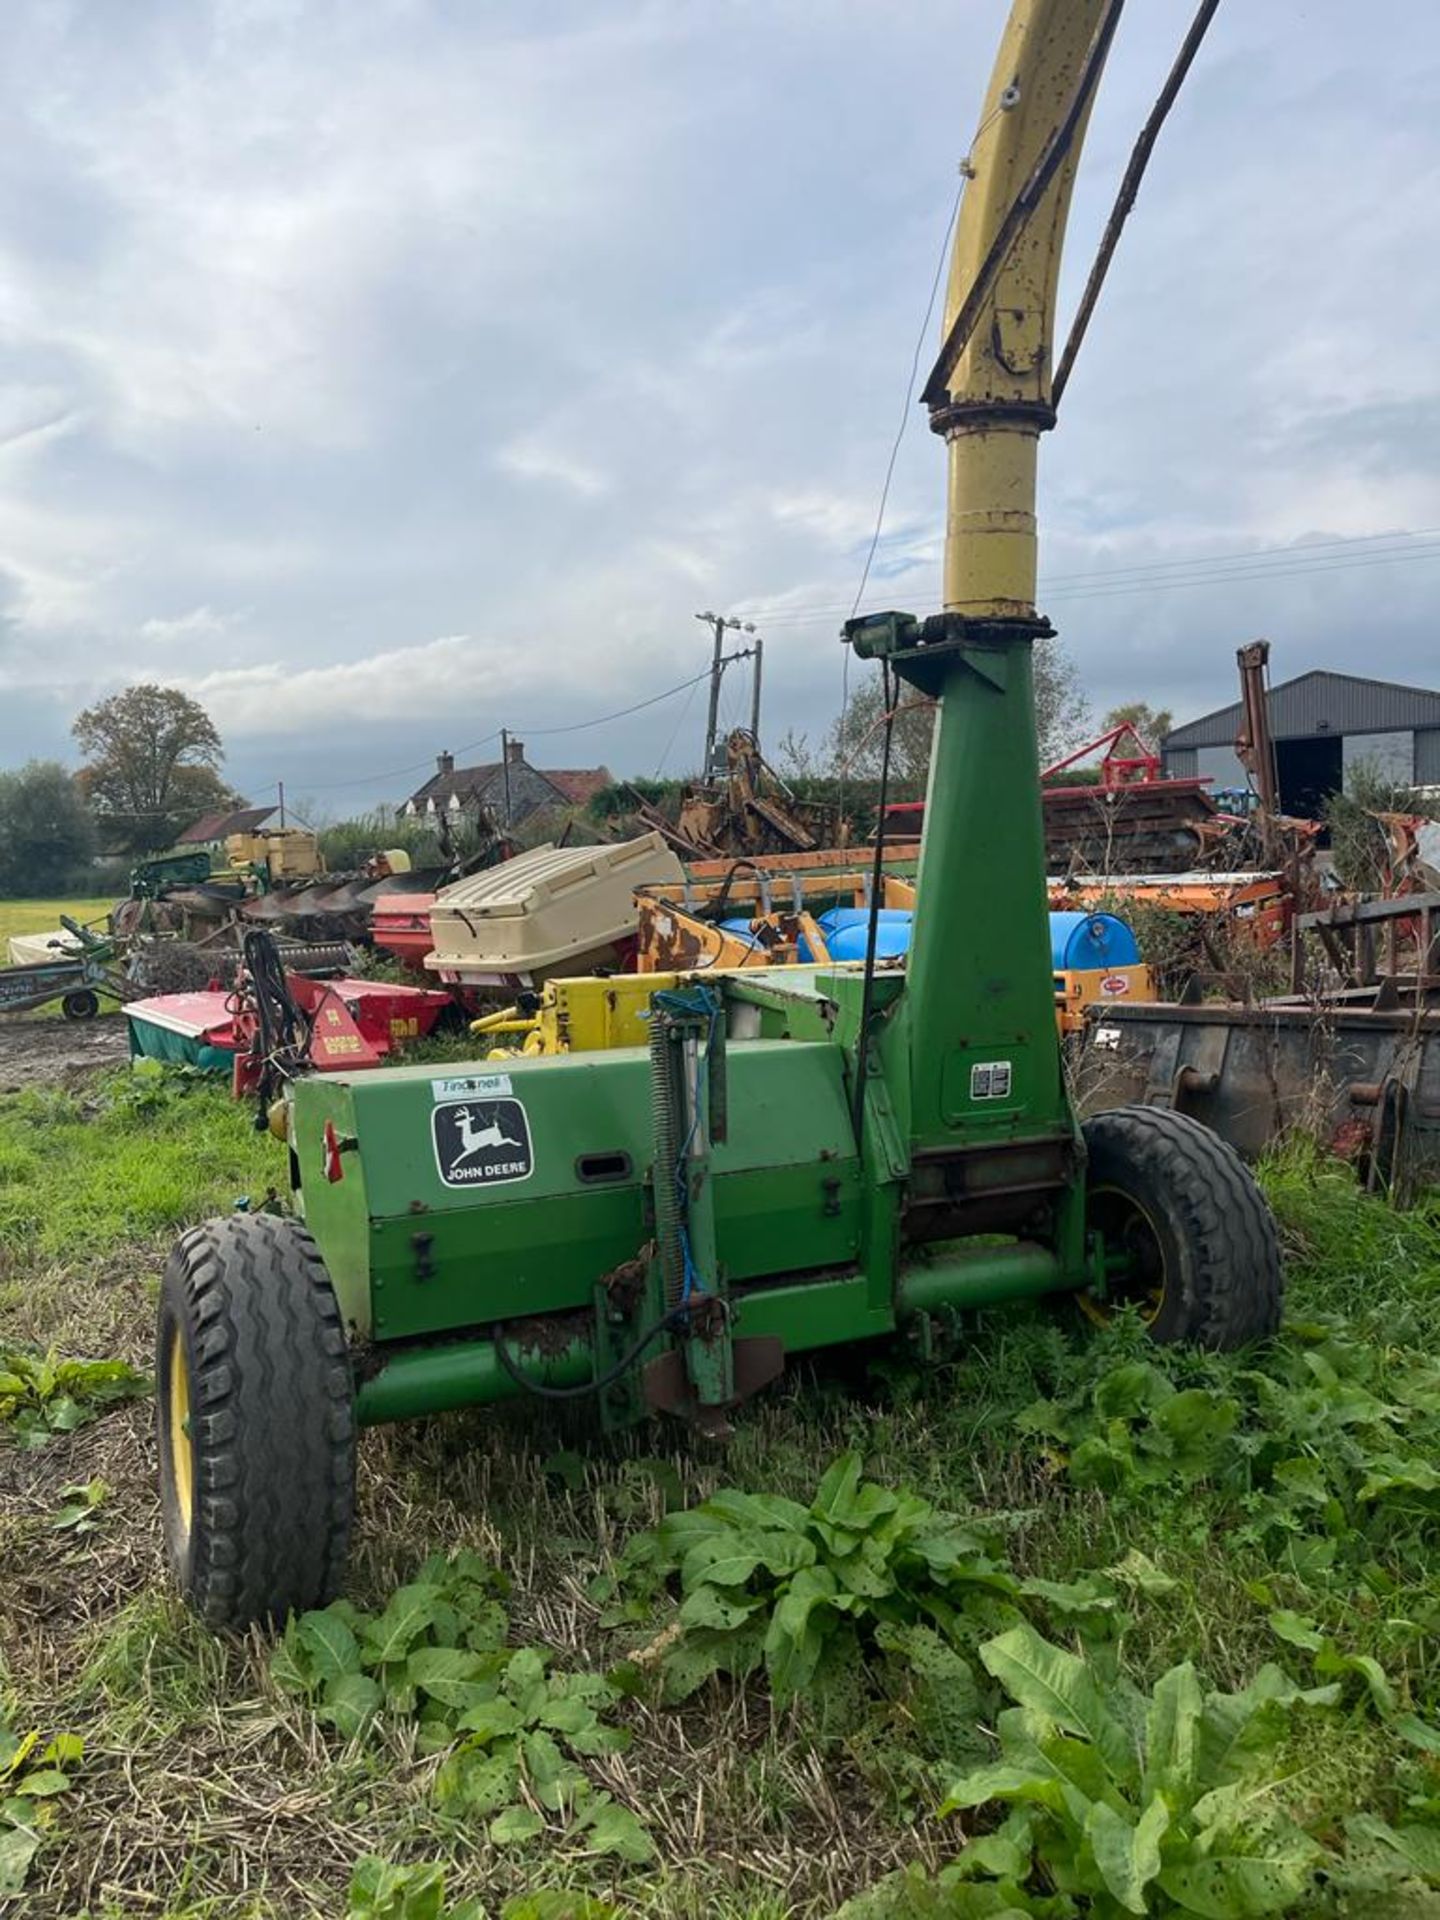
(1187, 1234)
(255, 1421)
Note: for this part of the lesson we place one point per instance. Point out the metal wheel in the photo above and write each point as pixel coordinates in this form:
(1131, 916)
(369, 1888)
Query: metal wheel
(1134, 1241)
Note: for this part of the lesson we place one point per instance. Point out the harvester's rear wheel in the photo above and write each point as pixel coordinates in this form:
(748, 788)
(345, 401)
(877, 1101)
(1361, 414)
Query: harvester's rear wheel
(1195, 1246)
(80, 1005)
(255, 1421)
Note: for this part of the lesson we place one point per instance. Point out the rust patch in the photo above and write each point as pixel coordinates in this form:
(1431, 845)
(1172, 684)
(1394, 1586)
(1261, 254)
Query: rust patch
(547, 1334)
(625, 1284)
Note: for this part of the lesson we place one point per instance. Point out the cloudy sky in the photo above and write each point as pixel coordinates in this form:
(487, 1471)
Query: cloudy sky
(388, 373)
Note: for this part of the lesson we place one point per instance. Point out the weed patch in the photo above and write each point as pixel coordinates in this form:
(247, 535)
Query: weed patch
(705, 1686)
(141, 1154)
(513, 1731)
(41, 1396)
(32, 1778)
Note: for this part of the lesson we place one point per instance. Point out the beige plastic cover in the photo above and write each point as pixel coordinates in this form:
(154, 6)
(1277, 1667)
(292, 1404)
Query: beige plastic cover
(553, 907)
(33, 949)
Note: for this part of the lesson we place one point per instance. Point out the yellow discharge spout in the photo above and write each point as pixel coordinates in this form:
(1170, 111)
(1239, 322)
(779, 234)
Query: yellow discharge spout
(990, 393)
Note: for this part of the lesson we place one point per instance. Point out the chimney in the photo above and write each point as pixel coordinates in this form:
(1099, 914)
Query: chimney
(515, 752)
(444, 763)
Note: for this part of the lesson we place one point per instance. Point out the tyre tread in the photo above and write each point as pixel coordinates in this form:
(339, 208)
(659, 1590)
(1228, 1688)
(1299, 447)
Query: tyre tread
(272, 1412)
(1234, 1284)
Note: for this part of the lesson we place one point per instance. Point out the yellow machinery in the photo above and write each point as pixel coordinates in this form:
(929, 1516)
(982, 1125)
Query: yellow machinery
(589, 1015)
(1098, 987)
(285, 853)
(593, 1015)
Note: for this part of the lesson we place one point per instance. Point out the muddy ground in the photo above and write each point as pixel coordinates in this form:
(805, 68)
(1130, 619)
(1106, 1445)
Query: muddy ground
(44, 1051)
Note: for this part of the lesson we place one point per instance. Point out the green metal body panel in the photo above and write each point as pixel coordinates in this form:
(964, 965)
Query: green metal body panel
(411, 1256)
(488, 1194)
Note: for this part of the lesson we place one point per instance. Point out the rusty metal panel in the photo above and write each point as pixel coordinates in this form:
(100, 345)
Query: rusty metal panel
(1364, 1083)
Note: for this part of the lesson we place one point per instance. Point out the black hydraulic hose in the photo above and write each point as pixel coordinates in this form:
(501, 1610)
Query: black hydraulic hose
(588, 1387)
(282, 1030)
(1129, 188)
(722, 899)
(937, 388)
(877, 881)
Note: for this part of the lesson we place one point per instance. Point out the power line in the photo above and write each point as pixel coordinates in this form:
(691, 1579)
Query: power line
(578, 726)
(910, 386)
(966, 169)
(1338, 565)
(1393, 542)
(1202, 570)
(675, 732)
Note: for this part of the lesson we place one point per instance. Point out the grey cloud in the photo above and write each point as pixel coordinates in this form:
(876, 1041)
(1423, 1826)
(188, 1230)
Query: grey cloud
(370, 327)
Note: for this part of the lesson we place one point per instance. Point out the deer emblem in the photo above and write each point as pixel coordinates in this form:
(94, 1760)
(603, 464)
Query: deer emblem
(475, 1139)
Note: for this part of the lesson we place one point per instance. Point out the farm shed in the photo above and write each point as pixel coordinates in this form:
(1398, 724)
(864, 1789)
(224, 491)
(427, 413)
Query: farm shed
(1325, 725)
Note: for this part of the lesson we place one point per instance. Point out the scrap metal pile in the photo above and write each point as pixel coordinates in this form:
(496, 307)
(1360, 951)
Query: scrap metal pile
(278, 880)
(751, 811)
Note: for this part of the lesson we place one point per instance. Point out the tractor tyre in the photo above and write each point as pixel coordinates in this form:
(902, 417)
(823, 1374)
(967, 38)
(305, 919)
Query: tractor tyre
(1203, 1244)
(80, 1005)
(255, 1422)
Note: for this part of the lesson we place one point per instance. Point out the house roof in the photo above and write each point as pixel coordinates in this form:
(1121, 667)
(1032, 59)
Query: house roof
(575, 785)
(1316, 703)
(219, 826)
(442, 788)
(579, 784)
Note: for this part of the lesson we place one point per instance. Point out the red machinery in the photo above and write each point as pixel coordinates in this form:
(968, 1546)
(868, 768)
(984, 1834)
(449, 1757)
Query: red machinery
(353, 1023)
(347, 1023)
(400, 924)
(1132, 819)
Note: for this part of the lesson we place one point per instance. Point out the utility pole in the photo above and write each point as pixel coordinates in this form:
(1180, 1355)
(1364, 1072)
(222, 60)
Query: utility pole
(755, 690)
(505, 771)
(718, 664)
(281, 785)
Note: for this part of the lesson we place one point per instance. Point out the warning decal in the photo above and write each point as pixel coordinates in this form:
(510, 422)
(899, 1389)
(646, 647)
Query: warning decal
(481, 1143)
(990, 1080)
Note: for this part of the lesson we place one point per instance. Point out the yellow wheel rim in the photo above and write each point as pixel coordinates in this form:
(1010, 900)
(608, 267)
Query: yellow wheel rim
(182, 1448)
(1149, 1298)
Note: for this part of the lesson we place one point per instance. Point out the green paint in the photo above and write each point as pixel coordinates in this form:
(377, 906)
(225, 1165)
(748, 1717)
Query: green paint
(812, 1237)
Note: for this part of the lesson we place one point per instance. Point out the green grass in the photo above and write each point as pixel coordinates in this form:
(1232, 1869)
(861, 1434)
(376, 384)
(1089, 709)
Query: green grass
(208, 1791)
(43, 916)
(129, 1158)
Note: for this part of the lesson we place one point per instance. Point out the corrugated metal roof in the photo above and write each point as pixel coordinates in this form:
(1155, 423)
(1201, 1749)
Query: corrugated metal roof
(1320, 702)
(217, 826)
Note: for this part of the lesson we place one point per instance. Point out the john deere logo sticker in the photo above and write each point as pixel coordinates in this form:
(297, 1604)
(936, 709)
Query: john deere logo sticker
(481, 1143)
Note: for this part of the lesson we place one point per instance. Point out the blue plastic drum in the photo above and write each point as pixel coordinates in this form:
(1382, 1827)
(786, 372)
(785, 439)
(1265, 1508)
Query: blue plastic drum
(1091, 943)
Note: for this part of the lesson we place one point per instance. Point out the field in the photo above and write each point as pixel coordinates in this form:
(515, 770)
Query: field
(1210, 1584)
(43, 916)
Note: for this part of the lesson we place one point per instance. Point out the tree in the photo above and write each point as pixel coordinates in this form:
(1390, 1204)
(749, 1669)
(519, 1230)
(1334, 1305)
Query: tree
(46, 831)
(1151, 723)
(152, 765)
(857, 740)
(1062, 717)
(1062, 713)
